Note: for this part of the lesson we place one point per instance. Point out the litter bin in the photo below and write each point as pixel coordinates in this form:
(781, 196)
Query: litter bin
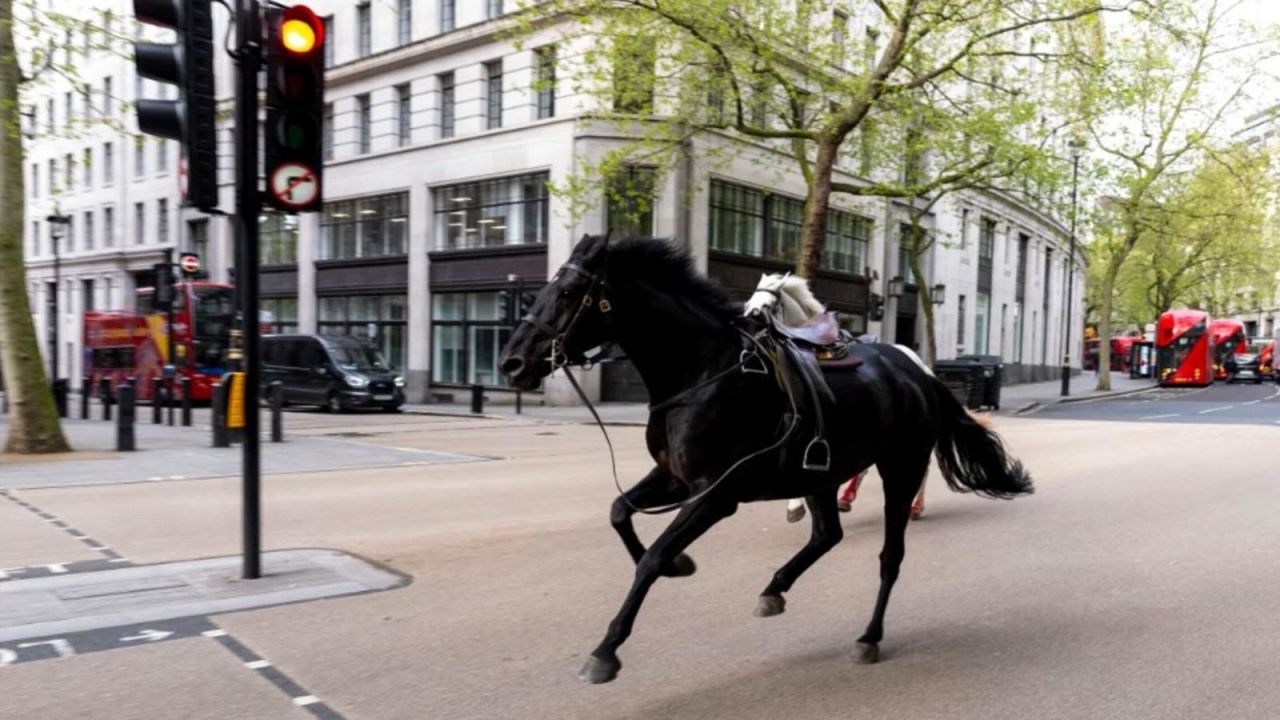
(975, 380)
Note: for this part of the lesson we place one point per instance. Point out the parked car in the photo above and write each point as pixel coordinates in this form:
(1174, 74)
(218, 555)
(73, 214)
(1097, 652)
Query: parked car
(1245, 366)
(336, 372)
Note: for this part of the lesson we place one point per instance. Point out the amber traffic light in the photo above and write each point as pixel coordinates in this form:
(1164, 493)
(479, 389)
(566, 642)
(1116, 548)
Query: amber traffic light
(295, 108)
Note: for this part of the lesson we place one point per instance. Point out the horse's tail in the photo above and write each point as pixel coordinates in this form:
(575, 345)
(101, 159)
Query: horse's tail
(971, 456)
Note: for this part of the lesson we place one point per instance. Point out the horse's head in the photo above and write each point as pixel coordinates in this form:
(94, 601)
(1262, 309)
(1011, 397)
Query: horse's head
(786, 298)
(764, 301)
(566, 319)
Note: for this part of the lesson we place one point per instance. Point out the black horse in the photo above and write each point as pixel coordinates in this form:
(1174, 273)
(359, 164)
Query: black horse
(712, 407)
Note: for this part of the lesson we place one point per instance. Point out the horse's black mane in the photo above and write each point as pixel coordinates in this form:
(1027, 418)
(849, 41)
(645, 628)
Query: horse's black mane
(667, 267)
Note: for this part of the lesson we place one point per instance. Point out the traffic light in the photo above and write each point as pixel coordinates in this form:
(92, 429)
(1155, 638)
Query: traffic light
(188, 64)
(162, 274)
(295, 108)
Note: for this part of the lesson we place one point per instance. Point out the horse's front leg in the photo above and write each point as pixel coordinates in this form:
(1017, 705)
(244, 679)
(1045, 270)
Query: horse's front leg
(827, 532)
(656, 489)
(688, 525)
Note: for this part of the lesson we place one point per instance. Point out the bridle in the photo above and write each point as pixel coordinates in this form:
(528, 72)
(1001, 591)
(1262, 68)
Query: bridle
(560, 337)
(751, 361)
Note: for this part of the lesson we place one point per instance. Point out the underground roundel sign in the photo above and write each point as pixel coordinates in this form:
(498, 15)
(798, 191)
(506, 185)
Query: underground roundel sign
(190, 263)
(294, 185)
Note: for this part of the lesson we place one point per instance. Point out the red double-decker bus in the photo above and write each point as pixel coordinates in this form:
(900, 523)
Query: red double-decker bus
(1184, 350)
(1228, 339)
(122, 344)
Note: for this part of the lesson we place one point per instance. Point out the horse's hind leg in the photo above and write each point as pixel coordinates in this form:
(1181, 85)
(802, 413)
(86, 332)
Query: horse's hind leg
(826, 534)
(657, 488)
(692, 522)
(902, 478)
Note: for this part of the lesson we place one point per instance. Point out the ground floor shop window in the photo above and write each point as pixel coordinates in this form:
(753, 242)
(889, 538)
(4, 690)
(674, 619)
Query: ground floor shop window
(380, 319)
(280, 314)
(469, 331)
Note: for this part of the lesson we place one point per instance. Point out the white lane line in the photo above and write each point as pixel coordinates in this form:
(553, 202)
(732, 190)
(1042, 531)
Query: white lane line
(257, 664)
(1252, 402)
(1157, 417)
(1217, 409)
(306, 700)
(214, 633)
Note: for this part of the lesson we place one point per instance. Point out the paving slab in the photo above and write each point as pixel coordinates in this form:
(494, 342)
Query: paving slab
(26, 539)
(80, 602)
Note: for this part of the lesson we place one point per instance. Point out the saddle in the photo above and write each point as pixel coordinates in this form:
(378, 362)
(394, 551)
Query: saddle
(804, 355)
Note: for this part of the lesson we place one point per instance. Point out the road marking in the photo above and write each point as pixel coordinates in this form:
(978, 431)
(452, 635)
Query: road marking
(148, 635)
(257, 664)
(1157, 417)
(214, 633)
(1217, 409)
(306, 700)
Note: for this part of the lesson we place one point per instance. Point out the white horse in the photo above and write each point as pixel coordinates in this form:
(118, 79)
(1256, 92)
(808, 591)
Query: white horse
(788, 300)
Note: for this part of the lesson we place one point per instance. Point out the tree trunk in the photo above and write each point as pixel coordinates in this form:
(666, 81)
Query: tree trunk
(814, 235)
(33, 418)
(1106, 299)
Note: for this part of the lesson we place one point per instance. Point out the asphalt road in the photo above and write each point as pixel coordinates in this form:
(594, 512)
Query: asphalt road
(1217, 404)
(1138, 582)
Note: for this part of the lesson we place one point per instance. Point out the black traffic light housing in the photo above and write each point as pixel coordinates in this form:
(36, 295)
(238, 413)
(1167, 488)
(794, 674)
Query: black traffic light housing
(162, 274)
(189, 65)
(293, 135)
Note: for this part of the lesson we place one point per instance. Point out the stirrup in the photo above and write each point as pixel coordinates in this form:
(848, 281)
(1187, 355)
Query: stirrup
(759, 369)
(823, 462)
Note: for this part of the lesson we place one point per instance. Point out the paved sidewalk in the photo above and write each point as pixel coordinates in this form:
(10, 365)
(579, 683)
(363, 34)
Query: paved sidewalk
(181, 453)
(1027, 396)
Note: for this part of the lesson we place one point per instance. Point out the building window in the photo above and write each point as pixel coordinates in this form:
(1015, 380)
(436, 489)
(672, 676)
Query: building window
(67, 173)
(446, 105)
(545, 59)
(197, 235)
(329, 43)
(492, 213)
(35, 180)
(108, 227)
(786, 223)
(960, 322)
(86, 97)
(468, 331)
(327, 131)
(629, 201)
(108, 102)
(380, 319)
(493, 94)
(86, 295)
(87, 167)
(448, 15)
(69, 116)
(987, 239)
(162, 156)
(139, 156)
(88, 230)
(108, 164)
(35, 238)
(162, 221)
(53, 176)
(71, 234)
(404, 114)
(283, 314)
(634, 75)
(362, 103)
(139, 223)
(405, 16)
(737, 219)
(278, 239)
(365, 28)
(904, 257)
(848, 241)
(495, 9)
(368, 227)
(981, 324)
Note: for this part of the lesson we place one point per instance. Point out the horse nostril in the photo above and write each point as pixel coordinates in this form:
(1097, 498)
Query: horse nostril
(512, 365)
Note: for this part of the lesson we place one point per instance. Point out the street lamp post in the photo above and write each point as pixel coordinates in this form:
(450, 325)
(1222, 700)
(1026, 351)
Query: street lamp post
(1076, 146)
(57, 227)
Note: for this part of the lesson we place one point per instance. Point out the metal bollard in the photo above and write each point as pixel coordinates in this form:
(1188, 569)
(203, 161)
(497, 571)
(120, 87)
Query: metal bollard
(86, 386)
(277, 411)
(184, 383)
(519, 402)
(169, 399)
(477, 399)
(221, 436)
(61, 388)
(104, 394)
(157, 390)
(125, 438)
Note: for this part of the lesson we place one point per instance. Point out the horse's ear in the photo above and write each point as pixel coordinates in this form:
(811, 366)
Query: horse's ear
(590, 247)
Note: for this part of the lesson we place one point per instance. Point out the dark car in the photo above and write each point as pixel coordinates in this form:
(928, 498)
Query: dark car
(332, 371)
(1244, 366)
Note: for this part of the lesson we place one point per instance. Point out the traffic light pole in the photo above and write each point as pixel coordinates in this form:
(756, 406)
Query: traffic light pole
(248, 205)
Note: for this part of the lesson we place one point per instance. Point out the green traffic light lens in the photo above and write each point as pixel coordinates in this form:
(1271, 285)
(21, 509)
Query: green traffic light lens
(297, 131)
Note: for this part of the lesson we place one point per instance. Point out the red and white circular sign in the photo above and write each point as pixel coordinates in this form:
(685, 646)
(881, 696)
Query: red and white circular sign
(294, 185)
(190, 263)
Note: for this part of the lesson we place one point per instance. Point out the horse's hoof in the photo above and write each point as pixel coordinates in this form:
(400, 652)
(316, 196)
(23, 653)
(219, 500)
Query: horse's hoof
(866, 653)
(598, 670)
(770, 605)
(681, 566)
(795, 514)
